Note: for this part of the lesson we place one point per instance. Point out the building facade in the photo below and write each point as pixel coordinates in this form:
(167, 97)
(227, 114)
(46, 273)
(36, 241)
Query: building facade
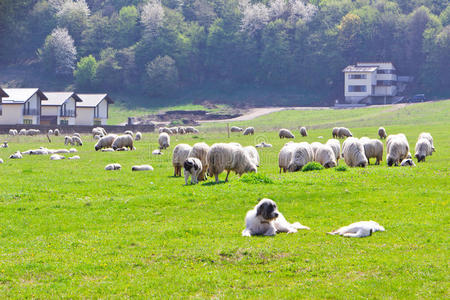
(60, 108)
(93, 109)
(22, 106)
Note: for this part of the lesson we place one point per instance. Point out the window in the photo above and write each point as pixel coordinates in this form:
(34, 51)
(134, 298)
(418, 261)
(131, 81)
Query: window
(357, 76)
(64, 122)
(27, 121)
(357, 88)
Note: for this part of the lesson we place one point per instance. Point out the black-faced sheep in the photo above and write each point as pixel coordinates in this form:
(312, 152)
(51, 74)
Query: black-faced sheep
(77, 140)
(200, 151)
(192, 167)
(180, 153)
(68, 140)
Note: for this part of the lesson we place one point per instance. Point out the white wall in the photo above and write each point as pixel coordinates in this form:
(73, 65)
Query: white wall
(50, 110)
(11, 114)
(85, 116)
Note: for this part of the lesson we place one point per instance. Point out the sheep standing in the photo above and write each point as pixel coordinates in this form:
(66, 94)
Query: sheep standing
(253, 153)
(68, 140)
(382, 133)
(181, 130)
(314, 147)
(129, 132)
(426, 135)
(77, 140)
(249, 131)
(285, 155)
(192, 167)
(303, 131)
(138, 136)
(353, 152)
(165, 129)
(179, 155)
(200, 151)
(56, 132)
(373, 148)
(123, 141)
(23, 131)
(344, 132)
(164, 140)
(236, 129)
(335, 132)
(325, 156)
(285, 133)
(397, 149)
(12, 132)
(301, 155)
(105, 142)
(190, 129)
(336, 146)
(423, 149)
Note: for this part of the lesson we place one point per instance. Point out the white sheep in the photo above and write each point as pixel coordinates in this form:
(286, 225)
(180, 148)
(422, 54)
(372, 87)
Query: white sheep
(382, 133)
(181, 130)
(12, 132)
(142, 168)
(314, 147)
(23, 131)
(16, 155)
(73, 150)
(1, 161)
(157, 152)
(57, 157)
(56, 132)
(74, 157)
(107, 150)
(236, 129)
(336, 146)
(179, 155)
(77, 140)
(335, 132)
(68, 140)
(285, 155)
(138, 136)
(249, 131)
(113, 167)
(123, 141)
(99, 130)
(397, 149)
(129, 132)
(407, 162)
(391, 137)
(200, 151)
(303, 131)
(253, 153)
(164, 140)
(173, 130)
(353, 153)
(344, 132)
(285, 133)
(105, 142)
(423, 149)
(76, 134)
(61, 151)
(426, 135)
(165, 129)
(325, 156)
(373, 148)
(192, 167)
(301, 155)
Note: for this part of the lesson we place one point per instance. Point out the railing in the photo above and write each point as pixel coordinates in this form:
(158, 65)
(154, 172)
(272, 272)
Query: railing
(30, 112)
(67, 113)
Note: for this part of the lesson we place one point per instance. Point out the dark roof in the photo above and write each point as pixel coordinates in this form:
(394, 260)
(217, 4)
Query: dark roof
(3, 93)
(58, 98)
(21, 95)
(92, 100)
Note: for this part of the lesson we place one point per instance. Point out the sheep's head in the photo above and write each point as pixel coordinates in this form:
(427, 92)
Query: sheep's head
(251, 168)
(294, 168)
(390, 161)
(420, 157)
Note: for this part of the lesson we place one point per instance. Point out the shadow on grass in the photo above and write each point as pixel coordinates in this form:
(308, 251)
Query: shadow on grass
(213, 183)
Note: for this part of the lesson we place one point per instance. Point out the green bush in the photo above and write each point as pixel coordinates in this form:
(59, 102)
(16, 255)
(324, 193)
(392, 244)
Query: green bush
(312, 166)
(341, 168)
(256, 178)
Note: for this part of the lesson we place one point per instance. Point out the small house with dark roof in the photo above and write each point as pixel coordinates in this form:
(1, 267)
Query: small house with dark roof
(21, 106)
(60, 108)
(93, 109)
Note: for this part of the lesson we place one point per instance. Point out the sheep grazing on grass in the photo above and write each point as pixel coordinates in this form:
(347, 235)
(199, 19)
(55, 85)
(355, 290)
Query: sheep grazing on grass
(138, 136)
(13, 132)
(285, 134)
(228, 157)
(129, 132)
(164, 140)
(16, 155)
(192, 167)
(397, 149)
(427, 136)
(249, 131)
(76, 134)
(23, 131)
(236, 129)
(325, 156)
(423, 149)
(253, 153)
(407, 162)
(302, 154)
(180, 153)
(314, 147)
(57, 157)
(68, 140)
(105, 142)
(165, 129)
(142, 168)
(56, 132)
(200, 151)
(113, 167)
(77, 140)
(50, 132)
(190, 129)
(107, 150)
(303, 131)
(382, 133)
(181, 130)
(285, 155)
(173, 130)
(344, 132)
(336, 146)
(373, 148)
(123, 141)
(353, 153)
(391, 137)
(74, 157)
(99, 131)
(334, 132)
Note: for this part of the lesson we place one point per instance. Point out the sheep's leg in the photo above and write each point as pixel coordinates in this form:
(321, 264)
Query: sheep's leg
(174, 171)
(217, 177)
(186, 177)
(226, 178)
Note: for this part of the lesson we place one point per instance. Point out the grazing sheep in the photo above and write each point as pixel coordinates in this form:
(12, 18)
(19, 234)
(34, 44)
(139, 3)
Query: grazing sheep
(236, 129)
(99, 131)
(336, 146)
(335, 132)
(427, 136)
(105, 142)
(397, 150)
(164, 140)
(174, 130)
(181, 130)
(142, 168)
(382, 133)
(373, 148)
(301, 155)
(77, 140)
(129, 132)
(180, 153)
(303, 131)
(74, 157)
(285, 133)
(249, 131)
(16, 155)
(157, 152)
(56, 132)
(200, 151)
(190, 129)
(165, 129)
(391, 137)
(285, 155)
(314, 147)
(113, 167)
(353, 153)
(12, 132)
(407, 162)
(253, 153)
(138, 136)
(423, 149)
(57, 157)
(68, 140)
(107, 150)
(50, 132)
(23, 131)
(76, 134)
(325, 156)
(192, 167)
(344, 132)
(61, 151)
(123, 141)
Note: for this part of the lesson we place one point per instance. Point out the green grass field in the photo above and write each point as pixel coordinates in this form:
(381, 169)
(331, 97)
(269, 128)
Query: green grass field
(71, 229)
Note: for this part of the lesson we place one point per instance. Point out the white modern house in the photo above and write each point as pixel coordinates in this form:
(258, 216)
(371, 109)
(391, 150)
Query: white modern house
(367, 81)
(93, 109)
(60, 108)
(21, 106)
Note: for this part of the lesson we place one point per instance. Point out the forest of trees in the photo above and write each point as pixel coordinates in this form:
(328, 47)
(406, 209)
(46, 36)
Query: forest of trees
(156, 47)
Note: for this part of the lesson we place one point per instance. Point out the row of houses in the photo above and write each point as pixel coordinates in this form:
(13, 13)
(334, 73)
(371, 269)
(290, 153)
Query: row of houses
(33, 106)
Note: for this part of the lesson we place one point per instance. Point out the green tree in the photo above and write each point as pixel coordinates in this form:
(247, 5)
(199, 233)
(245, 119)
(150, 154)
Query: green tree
(161, 76)
(109, 73)
(85, 72)
(126, 27)
(74, 17)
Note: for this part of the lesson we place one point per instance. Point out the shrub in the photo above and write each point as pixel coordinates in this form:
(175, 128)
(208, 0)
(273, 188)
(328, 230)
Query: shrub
(341, 168)
(256, 178)
(85, 72)
(312, 166)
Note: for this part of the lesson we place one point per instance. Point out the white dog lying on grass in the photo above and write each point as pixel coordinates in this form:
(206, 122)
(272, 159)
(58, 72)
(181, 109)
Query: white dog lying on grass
(358, 229)
(265, 219)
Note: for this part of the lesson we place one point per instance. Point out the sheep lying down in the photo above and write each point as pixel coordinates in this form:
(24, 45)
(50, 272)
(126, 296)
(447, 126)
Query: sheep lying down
(358, 229)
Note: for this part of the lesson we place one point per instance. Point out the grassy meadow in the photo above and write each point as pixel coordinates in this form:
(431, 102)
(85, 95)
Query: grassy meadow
(71, 229)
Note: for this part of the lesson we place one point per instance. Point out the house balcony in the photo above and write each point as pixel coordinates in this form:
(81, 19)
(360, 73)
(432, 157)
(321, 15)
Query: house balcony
(31, 112)
(67, 113)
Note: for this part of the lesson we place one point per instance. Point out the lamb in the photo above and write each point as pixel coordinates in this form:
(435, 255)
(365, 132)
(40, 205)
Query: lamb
(74, 157)
(142, 168)
(253, 153)
(107, 150)
(397, 150)
(336, 146)
(426, 135)
(16, 155)
(344, 132)
(138, 136)
(192, 167)
(314, 147)
(57, 157)
(285, 133)
(353, 153)
(123, 141)
(423, 149)
(200, 151)
(129, 132)
(236, 129)
(335, 132)
(325, 156)
(113, 167)
(249, 131)
(303, 131)
(302, 154)
(407, 162)
(228, 157)
(105, 142)
(373, 148)
(68, 140)
(164, 140)
(382, 133)
(180, 153)
(77, 140)
(56, 132)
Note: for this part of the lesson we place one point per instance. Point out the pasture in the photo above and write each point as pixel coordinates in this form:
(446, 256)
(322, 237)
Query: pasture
(72, 229)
